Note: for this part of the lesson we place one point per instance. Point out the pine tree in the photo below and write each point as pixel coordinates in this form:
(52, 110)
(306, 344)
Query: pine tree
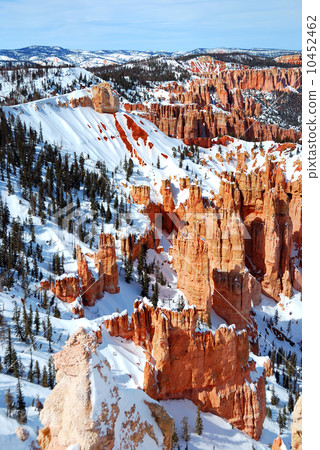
(274, 398)
(56, 311)
(44, 303)
(290, 403)
(51, 373)
(158, 163)
(108, 215)
(36, 373)
(44, 377)
(280, 422)
(155, 295)
(128, 267)
(30, 375)
(9, 402)
(276, 317)
(199, 424)
(20, 405)
(175, 438)
(269, 412)
(17, 323)
(37, 322)
(145, 284)
(185, 429)
(10, 357)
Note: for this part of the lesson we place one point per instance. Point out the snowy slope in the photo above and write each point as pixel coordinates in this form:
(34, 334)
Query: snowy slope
(81, 130)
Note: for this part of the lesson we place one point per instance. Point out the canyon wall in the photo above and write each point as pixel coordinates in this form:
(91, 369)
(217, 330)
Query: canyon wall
(214, 367)
(190, 116)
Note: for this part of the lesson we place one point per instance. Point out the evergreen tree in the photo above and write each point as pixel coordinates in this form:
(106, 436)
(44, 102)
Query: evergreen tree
(37, 322)
(280, 422)
(10, 357)
(9, 402)
(36, 373)
(141, 261)
(274, 398)
(128, 267)
(56, 311)
(158, 163)
(276, 317)
(30, 375)
(290, 403)
(51, 373)
(199, 424)
(185, 429)
(175, 438)
(44, 377)
(108, 215)
(17, 322)
(44, 303)
(269, 412)
(145, 284)
(20, 405)
(155, 295)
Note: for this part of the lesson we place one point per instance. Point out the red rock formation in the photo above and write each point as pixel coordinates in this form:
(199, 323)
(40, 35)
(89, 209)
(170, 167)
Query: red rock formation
(88, 408)
(141, 195)
(191, 262)
(104, 100)
(290, 59)
(92, 289)
(167, 199)
(131, 244)
(106, 262)
(213, 367)
(66, 288)
(199, 125)
(194, 120)
(277, 444)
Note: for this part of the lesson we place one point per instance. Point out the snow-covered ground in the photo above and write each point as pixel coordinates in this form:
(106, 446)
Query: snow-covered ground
(83, 131)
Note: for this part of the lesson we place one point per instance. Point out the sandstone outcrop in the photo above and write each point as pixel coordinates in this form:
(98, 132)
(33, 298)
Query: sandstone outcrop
(296, 426)
(106, 262)
(130, 245)
(190, 115)
(141, 195)
(104, 100)
(68, 287)
(84, 406)
(277, 444)
(214, 367)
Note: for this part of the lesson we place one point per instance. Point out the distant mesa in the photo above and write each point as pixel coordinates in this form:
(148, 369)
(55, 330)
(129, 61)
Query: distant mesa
(104, 100)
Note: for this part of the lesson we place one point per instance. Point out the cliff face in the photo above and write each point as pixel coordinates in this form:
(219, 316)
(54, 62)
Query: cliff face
(68, 288)
(87, 407)
(198, 125)
(215, 367)
(190, 116)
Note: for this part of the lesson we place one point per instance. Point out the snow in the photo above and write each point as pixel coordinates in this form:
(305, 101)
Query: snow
(77, 130)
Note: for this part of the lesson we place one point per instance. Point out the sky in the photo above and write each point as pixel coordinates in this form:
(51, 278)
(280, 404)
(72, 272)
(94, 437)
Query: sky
(171, 25)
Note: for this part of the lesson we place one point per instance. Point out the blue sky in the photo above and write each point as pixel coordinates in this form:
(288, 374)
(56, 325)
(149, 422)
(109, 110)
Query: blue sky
(150, 24)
